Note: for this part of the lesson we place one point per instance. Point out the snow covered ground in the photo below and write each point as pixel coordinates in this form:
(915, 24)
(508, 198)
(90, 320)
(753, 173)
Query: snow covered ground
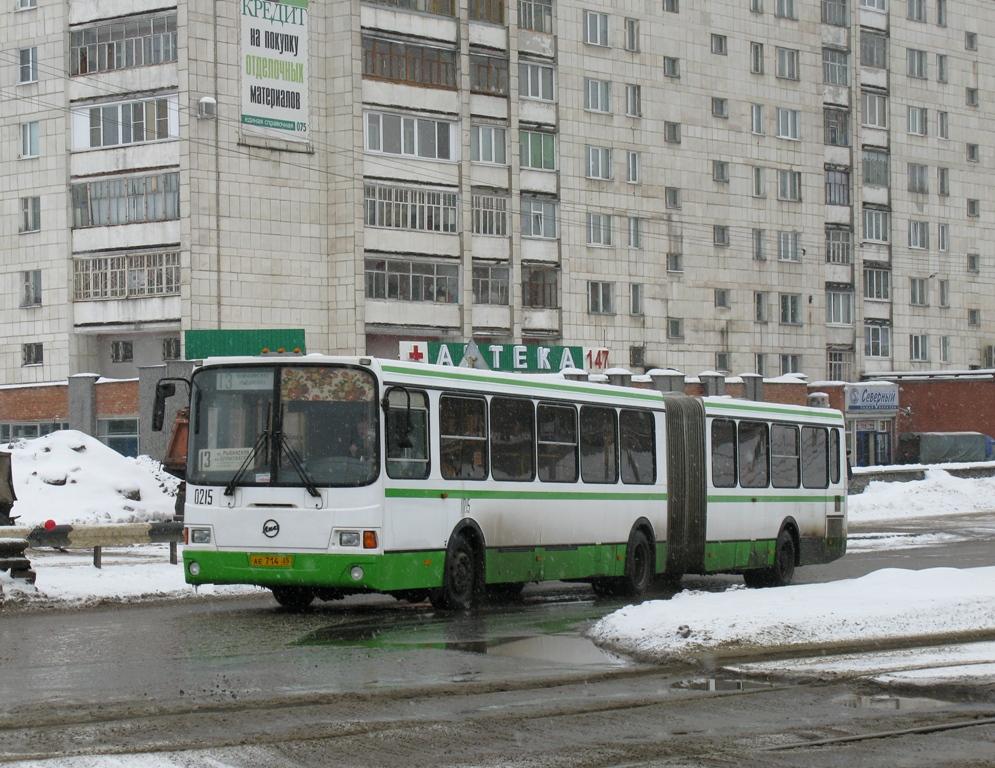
(940, 493)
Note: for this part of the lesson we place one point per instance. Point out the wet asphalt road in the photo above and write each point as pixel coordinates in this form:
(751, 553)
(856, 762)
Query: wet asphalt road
(235, 663)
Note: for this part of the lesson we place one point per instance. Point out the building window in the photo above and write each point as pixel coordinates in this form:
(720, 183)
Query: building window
(943, 125)
(789, 246)
(789, 186)
(973, 153)
(877, 284)
(538, 218)
(974, 263)
(132, 275)
(971, 97)
(599, 163)
(412, 208)
(877, 341)
(487, 144)
(632, 167)
(757, 58)
(537, 150)
(119, 434)
(837, 186)
(760, 364)
(839, 307)
(30, 214)
(756, 6)
(675, 262)
(919, 347)
(941, 68)
(122, 351)
(595, 28)
(671, 6)
(873, 50)
(136, 42)
(839, 245)
(418, 137)
(757, 122)
(720, 107)
(632, 35)
(943, 237)
(943, 181)
(916, 10)
(23, 5)
(918, 292)
(171, 348)
(675, 328)
(719, 45)
(535, 15)
(597, 95)
(973, 318)
(759, 183)
(600, 298)
(535, 81)
(722, 362)
(491, 11)
(31, 288)
(759, 245)
(837, 127)
(839, 364)
(672, 197)
(671, 132)
(488, 75)
(540, 287)
(635, 232)
(128, 200)
(877, 5)
(636, 299)
(599, 229)
(720, 235)
(788, 123)
(944, 293)
(971, 41)
(941, 13)
(918, 178)
(787, 63)
(835, 66)
(760, 306)
(918, 234)
(633, 100)
(875, 168)
(944, 349)
(32, 354)
(28, 70)
(722, 298)
(671, 67)
(412, 280)
(874, 109)
(720, 171)
(131, 122)
(490, 284)
(877, 225)
(973, 208)
(785, 9)
(916, 63)
(790, 363)
(30, 145)
(834, 12)
(489, 214)
(918, 120)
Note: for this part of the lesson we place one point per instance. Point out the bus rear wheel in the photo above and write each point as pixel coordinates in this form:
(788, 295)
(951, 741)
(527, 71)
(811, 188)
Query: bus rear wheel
(638, 566)
(459, 581)
(782, 572)
(294, 598)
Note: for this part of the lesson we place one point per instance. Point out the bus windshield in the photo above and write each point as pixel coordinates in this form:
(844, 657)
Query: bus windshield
(325, 416)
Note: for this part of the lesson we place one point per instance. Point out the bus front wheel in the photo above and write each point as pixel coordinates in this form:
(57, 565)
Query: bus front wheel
(294, 598)
(459, 581)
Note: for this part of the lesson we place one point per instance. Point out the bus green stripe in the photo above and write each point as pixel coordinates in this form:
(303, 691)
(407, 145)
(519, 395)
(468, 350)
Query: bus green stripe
(473, 493)
(527, 384)
(746, 498)
(794, 411)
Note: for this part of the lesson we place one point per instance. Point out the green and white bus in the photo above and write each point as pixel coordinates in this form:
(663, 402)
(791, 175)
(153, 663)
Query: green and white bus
(320, 476)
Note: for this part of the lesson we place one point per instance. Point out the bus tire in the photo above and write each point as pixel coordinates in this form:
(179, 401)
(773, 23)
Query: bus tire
(638, 566)
(459, 581)
(294, 598)
(782, 572)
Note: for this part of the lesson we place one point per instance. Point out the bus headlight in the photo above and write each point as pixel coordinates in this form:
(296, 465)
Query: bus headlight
(194, 568)
(348, 538)
(200, 535)
(356, 573)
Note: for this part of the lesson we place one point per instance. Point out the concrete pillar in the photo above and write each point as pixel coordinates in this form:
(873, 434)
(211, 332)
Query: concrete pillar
(753, 386)
(574, 374)
(713, 382)
(83, 403)
(620, 377)
(667, 380)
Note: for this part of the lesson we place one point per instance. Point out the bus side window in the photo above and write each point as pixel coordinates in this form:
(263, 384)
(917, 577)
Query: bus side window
(784, 456)
(557, 443)
(407, 454)
(834, 456)
(815, 457)
(598, 445)
(638, 448)
(463, 437)
(723, 453)
(512, 439)
(754, 467)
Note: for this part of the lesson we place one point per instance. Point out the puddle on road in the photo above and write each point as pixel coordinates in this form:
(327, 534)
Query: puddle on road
(886, 702)
(720, 684)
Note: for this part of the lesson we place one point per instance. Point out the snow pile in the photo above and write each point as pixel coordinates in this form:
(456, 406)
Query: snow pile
(940, 493)
(70, 477)
(885, 605)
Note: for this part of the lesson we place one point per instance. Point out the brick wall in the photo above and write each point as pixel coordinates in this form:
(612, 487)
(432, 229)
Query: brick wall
(117, 398)
(44, 403)
(954, 405)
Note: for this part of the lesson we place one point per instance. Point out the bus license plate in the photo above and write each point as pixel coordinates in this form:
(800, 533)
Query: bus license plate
(271, 561)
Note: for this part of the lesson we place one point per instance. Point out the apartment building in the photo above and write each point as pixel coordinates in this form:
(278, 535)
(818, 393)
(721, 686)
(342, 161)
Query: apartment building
(765, 186)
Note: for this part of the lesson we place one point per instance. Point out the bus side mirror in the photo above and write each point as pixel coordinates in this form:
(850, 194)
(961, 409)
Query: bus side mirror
(163, 390)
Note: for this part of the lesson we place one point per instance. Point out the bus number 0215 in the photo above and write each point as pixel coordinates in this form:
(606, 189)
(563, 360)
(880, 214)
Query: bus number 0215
(203, 496)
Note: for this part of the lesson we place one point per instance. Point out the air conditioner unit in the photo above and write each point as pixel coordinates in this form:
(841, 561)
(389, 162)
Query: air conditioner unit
(207, 108)
(990, 356)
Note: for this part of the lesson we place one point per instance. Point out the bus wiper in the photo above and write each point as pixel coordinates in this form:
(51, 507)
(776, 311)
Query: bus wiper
(260, 442)
(297, 464)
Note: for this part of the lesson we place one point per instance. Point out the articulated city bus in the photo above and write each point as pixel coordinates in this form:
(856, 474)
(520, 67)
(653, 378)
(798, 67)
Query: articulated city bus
(319, 477)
